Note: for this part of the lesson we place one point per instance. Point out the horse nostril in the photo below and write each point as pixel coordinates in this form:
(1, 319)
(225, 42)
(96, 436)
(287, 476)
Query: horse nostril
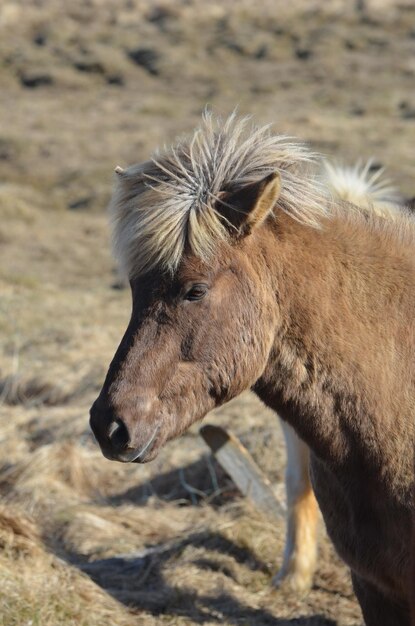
(118, 434)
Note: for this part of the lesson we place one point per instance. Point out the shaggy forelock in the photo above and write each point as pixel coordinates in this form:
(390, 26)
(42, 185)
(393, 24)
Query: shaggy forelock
(161, 206)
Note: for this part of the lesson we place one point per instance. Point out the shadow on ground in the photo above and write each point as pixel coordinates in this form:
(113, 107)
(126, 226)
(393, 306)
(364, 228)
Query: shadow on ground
(201, 480)
(138, 582)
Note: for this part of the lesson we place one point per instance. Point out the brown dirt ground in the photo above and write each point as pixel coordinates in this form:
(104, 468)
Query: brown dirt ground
(84, 86)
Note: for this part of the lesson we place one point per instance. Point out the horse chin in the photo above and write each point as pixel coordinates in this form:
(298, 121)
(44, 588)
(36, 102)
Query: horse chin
(149, 456)
(144, 453)
(151, 448)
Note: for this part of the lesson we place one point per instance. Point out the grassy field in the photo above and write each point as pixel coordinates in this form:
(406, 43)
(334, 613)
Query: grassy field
(85, 86)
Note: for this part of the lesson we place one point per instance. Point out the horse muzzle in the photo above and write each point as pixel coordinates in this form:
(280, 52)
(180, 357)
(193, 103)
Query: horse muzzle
(118, 440)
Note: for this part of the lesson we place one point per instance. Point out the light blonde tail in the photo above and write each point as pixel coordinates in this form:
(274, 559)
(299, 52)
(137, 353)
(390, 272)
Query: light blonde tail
(366, 189)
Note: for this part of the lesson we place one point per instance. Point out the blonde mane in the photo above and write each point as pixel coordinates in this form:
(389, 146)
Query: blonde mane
(161, 206)
(169, 203)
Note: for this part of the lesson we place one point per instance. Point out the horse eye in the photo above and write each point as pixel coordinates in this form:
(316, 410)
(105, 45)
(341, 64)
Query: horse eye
(197, 292)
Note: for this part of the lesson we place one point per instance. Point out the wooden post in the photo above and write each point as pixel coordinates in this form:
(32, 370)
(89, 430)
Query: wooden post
(242, 469)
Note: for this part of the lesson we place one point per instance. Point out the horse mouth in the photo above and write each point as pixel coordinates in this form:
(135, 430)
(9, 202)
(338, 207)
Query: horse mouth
(143, 454)
(149, 451)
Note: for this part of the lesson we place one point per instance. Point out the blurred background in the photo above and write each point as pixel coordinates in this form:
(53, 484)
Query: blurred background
(86, 85)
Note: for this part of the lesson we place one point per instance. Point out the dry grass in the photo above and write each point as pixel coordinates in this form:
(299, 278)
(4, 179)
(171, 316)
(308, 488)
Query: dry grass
(43, 591)
(32, 580)
(167, 543)
(17, 390)
(18, 534)
(85, 541)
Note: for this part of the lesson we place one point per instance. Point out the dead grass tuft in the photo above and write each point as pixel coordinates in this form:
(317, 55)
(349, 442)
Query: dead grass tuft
(16, 389)
(57, 472)
(40, 590)
(18, 533)
(104, 531)
(19, 202)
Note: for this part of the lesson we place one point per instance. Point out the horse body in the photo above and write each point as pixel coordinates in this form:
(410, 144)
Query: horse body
(373, 193)
(346, 385)
(253, 278)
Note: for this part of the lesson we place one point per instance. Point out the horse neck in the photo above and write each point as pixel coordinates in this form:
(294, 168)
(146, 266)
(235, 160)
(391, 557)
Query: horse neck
(341, 361)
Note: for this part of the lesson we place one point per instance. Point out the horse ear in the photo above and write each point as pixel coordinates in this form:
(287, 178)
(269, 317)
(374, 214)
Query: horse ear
(249, 206)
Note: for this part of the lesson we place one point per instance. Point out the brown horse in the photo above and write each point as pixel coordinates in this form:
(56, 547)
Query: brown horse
(246, 275)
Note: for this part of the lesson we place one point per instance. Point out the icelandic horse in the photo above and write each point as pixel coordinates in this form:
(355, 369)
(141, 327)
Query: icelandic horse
(247, 274)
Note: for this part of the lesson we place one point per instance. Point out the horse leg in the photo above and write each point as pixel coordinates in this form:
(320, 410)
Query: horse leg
(300, 554)
(377, 609)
